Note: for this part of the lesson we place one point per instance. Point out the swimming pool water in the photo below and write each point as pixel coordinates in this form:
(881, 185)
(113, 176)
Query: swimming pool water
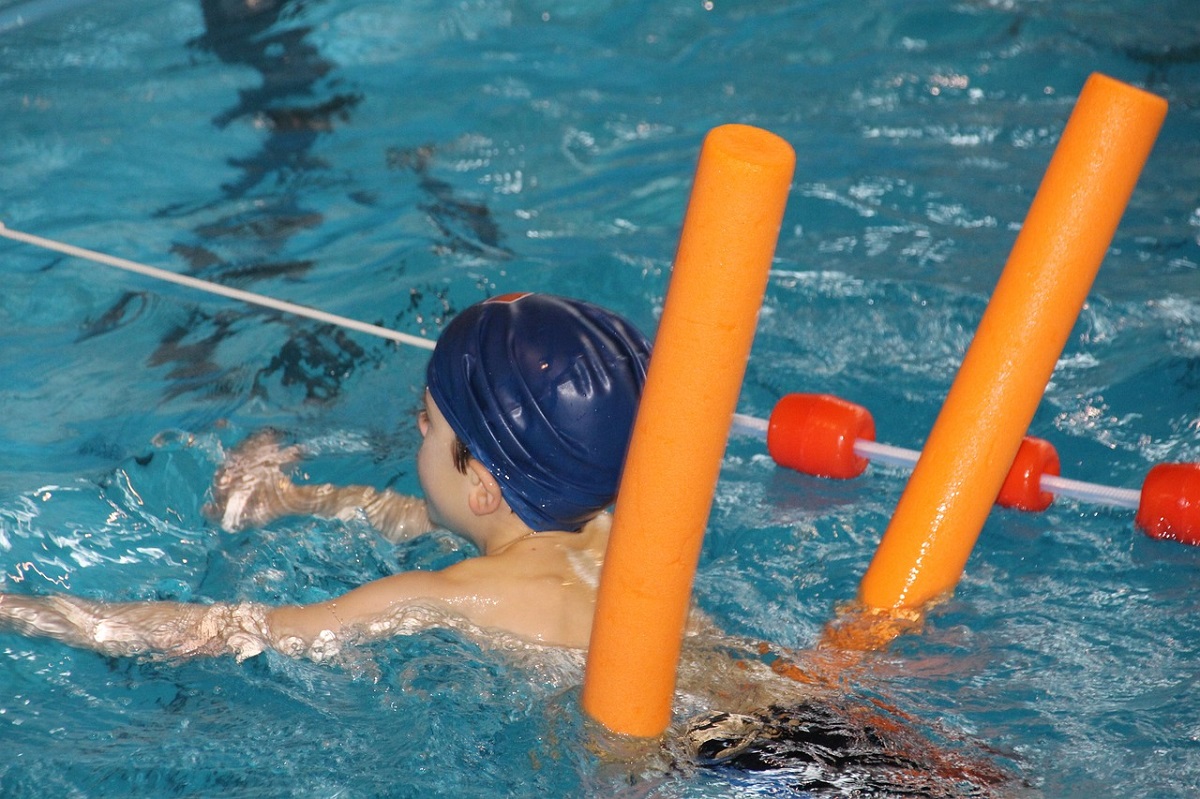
(395, 162)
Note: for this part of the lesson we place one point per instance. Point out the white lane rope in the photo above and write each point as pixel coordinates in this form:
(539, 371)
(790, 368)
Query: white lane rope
(215, 288)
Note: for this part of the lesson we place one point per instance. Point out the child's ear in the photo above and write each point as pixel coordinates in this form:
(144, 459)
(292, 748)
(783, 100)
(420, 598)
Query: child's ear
(484, 495)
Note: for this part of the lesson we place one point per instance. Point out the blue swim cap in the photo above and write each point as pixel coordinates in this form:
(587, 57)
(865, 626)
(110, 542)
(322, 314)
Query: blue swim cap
(543, 391)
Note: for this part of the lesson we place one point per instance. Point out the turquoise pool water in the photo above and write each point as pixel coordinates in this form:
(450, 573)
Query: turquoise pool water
(394, 162)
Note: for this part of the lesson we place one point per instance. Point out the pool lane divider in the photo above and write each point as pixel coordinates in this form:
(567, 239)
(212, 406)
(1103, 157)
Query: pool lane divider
(1020, 338)
(812, 433)
(827, 436)
(727, 242)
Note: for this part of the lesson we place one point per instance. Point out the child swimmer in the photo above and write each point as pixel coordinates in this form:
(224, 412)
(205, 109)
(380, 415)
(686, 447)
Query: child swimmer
(527, 414)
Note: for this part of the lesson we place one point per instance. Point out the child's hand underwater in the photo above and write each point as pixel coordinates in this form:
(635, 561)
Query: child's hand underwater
(250, 489)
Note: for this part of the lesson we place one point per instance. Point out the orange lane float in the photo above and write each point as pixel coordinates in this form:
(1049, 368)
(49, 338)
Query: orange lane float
(1022, 334)
(827, 436)
(1170, 503)
(1022, 486)
(717, 284)
(816, 434)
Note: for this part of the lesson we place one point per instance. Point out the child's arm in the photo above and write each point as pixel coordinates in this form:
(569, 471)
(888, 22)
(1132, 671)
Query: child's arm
(396, 516)
(480, 591)
(181, 630)
(251, 489)
(122, 629)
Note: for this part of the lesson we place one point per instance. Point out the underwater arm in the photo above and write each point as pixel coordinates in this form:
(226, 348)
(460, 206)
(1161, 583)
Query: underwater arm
(173, 629)
(181, 629)
(251, 489)
(396, 516)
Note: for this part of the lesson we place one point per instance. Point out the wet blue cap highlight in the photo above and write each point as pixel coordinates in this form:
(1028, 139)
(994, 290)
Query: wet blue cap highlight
(543, 391)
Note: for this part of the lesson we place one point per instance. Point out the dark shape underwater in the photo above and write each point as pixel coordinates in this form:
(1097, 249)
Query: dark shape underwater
(827, 749)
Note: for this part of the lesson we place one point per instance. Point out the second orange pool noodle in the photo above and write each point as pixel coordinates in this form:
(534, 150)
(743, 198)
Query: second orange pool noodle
(1021, 336)
(700, 352)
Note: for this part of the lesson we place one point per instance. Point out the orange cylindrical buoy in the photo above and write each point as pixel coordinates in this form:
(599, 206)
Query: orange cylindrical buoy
(1170, 503)
(815, 434)
(1022, 488)
(700, 352)
(1020, 338)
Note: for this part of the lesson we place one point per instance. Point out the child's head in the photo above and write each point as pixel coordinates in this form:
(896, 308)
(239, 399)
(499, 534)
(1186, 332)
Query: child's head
(542, 390)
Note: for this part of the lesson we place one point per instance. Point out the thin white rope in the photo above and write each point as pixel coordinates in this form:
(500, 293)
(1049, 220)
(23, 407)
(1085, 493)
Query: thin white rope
(1129, 498)
(215, 288)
